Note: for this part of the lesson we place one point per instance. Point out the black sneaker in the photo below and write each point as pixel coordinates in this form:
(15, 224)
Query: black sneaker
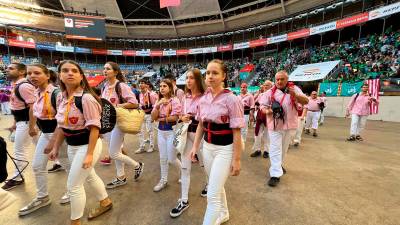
(179, 209)
(265, 155)
(255, 154)
(359, 138)
(204, 192)
(56, 167)
(273, 181)
(351, 138)
(296, 144)
(116, 182)
(307, 131)
(315, 134)
(138, 171)
(10, 184)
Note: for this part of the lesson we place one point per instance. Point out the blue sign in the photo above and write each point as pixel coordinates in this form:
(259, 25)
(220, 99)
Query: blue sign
(83, 50)
(44, 46)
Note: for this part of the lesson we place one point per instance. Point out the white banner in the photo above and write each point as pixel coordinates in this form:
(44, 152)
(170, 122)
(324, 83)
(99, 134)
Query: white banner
(323, 28)
(143, 53)
(194, 51)
(315, 71)
(277, 39)
(169, 53)
(62, 48)
(114, 52)
(241, 45)
(210, 49)
(384, 11)
(2, 41)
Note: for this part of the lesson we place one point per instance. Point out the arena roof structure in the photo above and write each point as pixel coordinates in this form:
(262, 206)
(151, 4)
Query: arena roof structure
(145, 18)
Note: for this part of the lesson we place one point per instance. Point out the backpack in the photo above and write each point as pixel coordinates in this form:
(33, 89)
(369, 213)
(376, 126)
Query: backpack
(18, 94)
(108, 114)
(118, 91)
(53, 98)
(3, 160)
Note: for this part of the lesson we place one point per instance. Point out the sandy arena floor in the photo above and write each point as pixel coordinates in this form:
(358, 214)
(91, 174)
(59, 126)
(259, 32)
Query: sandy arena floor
(329, 181)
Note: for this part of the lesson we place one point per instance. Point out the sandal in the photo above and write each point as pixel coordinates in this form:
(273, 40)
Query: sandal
(95, 212)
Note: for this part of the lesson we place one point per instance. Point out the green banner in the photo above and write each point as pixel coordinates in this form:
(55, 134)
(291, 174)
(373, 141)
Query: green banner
(349, 89)
(331, 89)
(251, 89)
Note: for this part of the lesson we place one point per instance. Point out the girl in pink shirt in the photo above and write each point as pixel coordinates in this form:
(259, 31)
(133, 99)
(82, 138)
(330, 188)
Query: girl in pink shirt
(220, 116)
(195, 89)
(166, 112)
(81, 131)
(48, 98)
(119, 94)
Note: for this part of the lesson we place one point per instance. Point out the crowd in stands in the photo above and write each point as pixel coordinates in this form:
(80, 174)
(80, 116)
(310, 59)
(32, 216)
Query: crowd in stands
(373, 56)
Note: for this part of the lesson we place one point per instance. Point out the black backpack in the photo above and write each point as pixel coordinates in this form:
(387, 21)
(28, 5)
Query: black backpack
(108, 114)
(3, 161)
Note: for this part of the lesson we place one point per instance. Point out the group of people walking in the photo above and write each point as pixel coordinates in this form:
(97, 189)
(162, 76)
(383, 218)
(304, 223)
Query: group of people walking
(62, 115)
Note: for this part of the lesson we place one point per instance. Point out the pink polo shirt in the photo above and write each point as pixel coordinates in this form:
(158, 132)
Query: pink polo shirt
(27, 92)
(76, 120)
(110, 94)
(247, 100)
(223, 108)
(46, 111)
(313, 104)
(172, 108)
(291, 114)
(361, 106)
(149, 97)
(179, 93)
(191, 104)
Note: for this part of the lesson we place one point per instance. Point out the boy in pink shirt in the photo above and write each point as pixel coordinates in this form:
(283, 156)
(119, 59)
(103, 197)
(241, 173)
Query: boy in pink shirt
(359, 107)
(313, 113)
(279, 103)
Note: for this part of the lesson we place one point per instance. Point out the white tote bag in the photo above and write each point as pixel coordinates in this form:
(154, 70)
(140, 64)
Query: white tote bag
(181, 133)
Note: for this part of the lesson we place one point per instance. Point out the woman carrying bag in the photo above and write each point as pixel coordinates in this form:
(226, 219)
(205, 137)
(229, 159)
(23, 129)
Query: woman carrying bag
(194, 90)
(166, 112)
(220, 114)
(117, 92)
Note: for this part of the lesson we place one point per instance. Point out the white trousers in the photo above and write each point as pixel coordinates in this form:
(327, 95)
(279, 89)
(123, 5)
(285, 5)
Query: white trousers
(244, 130)
(148, 126)
(279, 144)
(262, 135)
(115, 149)
(77, 176)
(322, 117)
(187, 165)
(167, 152)
(217, 162)
(5, 108)
(312, 120)
(39, 163)
(299, 131)
(357, 124)
(21, 146)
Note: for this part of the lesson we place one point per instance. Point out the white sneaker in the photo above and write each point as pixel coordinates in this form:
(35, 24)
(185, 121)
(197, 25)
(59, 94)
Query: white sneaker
(140, 150)
(151, 149)
(65, 199)
(161, 185)
(224, 217)
(36, 204)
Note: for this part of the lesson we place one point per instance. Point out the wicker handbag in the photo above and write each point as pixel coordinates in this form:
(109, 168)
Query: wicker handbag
(129, 120)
